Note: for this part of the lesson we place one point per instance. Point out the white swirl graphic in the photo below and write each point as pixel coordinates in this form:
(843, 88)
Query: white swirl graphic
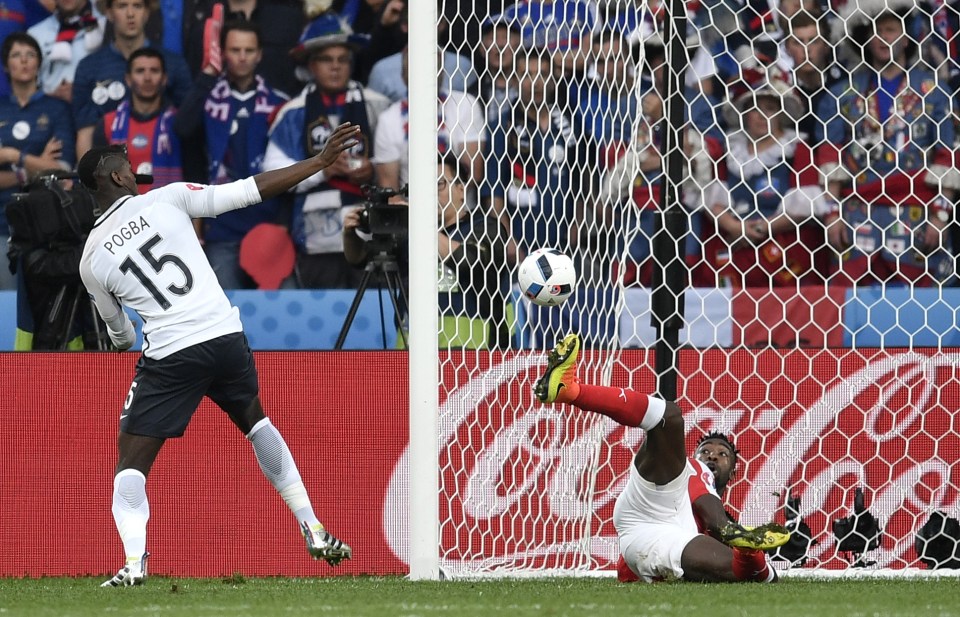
(558, 467)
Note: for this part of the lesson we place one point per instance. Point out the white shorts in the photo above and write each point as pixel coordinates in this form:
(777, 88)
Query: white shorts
(653, 550)
(656, 522)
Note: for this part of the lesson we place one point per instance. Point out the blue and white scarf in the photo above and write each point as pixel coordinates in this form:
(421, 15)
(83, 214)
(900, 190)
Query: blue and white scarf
(165, 148)
(220, 111)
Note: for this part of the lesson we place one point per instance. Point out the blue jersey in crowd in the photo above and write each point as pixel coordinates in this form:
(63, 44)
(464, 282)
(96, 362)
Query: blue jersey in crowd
(29, 128)
(99, 83)
(538, 174)
(235, 127)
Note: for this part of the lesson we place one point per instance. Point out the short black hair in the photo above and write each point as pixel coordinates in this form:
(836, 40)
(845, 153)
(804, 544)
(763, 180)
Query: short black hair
(240, 25)
(497, 21)
(90, 162)
(452, 163)
(146, 52)
(861, 33)
(804, 19)
(630, 52)
(726, 439)
(24, 39)
(534, 55)
(148, 4)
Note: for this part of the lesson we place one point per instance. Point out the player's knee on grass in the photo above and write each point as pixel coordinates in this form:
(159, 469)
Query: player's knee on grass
(706, 559)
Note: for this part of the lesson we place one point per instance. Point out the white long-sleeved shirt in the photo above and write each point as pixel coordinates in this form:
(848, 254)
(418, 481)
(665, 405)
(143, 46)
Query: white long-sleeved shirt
(143, 253)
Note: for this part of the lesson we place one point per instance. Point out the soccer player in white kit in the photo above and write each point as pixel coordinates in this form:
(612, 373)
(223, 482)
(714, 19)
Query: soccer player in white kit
(670, 520)
(143, 253)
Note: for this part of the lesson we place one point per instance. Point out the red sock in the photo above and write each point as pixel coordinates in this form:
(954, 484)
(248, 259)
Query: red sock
(751, 565)
(624, 573)
(626, 406)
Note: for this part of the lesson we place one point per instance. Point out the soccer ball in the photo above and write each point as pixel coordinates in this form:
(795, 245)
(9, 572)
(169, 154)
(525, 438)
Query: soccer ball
(547, 277)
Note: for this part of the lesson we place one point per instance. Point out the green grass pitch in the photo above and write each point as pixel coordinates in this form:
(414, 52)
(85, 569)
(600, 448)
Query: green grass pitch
(394, 596)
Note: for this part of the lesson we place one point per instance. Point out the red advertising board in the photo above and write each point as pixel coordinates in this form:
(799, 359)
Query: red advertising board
(523, 484)
(344, 416)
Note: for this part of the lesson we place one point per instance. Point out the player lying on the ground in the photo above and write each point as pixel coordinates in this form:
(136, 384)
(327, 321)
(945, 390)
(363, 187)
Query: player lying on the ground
(669, 518)
(143, 253)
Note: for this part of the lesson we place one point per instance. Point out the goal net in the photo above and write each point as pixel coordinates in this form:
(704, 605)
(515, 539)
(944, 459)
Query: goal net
(817, 173)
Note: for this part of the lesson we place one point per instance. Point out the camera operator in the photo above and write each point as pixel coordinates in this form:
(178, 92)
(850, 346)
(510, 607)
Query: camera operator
(473, 284)
(48, 227)
(35, 130)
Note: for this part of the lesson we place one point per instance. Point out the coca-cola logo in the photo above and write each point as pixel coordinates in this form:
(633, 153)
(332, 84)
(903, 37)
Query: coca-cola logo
(526, 484)
(886, 427)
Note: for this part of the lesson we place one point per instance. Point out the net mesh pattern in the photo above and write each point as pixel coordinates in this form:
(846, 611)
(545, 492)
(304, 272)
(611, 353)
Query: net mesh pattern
(818, 176)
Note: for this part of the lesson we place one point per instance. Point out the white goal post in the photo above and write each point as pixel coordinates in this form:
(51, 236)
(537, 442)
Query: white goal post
(821, 169)
(423, 511)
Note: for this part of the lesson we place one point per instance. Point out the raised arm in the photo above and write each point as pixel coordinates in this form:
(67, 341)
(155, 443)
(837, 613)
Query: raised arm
(207, 201)
(278, 181)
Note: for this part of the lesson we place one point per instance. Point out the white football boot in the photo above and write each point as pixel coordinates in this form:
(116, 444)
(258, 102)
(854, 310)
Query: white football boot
(134, 572)
(321, 544)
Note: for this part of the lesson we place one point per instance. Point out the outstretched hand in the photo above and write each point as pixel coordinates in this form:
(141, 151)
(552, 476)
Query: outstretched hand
(276, 181)
(344, 137)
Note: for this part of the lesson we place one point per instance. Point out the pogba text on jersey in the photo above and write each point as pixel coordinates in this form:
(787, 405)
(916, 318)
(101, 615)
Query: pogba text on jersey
(124, 233)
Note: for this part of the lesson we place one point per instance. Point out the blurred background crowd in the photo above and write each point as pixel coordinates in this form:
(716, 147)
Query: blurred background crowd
(820, 137)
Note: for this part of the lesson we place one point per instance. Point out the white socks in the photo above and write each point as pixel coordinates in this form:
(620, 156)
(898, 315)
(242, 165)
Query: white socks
(278, 466)
(131, 511)
(656, 407)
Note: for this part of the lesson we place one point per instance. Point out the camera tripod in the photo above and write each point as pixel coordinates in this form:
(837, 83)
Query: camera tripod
(65, 322)
(384, 263)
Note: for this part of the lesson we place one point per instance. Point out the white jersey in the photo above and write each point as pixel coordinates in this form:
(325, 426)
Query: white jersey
(143, 253)
(643, 502)
(655, 522)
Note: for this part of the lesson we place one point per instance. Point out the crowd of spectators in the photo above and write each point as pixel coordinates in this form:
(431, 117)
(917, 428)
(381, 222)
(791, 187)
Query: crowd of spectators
(820, 144)
(820, 137)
